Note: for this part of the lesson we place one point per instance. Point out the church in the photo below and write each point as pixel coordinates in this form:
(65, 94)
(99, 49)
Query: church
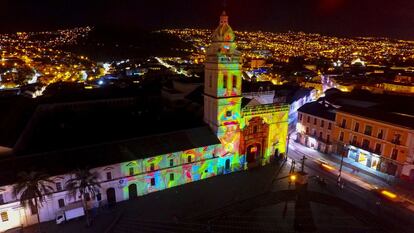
(239, 134)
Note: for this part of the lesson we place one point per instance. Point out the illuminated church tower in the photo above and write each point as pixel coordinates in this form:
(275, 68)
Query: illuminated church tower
(222, 90)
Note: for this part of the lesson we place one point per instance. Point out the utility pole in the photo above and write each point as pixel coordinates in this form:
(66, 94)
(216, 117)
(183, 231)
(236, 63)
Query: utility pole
(303, 164)
(340, 168)
(287, 147)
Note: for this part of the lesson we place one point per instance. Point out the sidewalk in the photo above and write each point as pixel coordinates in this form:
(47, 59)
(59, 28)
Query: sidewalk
(367, 174)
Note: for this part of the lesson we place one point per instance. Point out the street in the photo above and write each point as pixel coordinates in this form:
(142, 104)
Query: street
(352, 188)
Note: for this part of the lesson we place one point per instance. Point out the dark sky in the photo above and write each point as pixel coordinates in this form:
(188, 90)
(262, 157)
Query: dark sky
(393, 18)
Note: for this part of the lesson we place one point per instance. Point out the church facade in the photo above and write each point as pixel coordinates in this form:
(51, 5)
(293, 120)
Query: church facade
(241, 134)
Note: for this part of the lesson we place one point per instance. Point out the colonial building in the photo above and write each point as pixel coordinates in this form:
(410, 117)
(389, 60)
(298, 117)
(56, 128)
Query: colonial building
(380, 140)
(241, 134)
(316, 122)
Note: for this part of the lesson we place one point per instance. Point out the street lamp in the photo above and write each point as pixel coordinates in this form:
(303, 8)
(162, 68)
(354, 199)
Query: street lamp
(340, 167)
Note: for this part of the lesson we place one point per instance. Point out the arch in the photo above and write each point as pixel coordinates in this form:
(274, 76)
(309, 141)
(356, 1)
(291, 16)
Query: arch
(111, 196)
(132, 191)
(227, 165)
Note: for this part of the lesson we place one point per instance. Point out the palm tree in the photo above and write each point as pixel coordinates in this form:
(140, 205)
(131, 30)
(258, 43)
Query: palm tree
(83, 183)
(32, 188)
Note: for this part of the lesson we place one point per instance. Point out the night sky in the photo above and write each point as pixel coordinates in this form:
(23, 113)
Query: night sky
(392, 18)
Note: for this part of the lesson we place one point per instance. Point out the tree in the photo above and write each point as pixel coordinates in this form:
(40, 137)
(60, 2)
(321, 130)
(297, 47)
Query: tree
(32, 188)
(85, 184)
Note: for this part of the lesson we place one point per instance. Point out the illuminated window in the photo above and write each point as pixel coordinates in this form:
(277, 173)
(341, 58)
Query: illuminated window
(152, 168)
(1, 198)
(234, 81)
(225, 81)
(171, 162)
(315, 121)
(189, 159)
(171, 176)
(330, 125)
(131, 171)
(109, 176)
(228, 114)
(61, 203)
(58, 186)
(152, 181)
(4, 217)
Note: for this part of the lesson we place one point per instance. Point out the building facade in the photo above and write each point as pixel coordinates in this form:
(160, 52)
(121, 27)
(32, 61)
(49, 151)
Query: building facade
(316, 123)
(237, 138)
(384, 146)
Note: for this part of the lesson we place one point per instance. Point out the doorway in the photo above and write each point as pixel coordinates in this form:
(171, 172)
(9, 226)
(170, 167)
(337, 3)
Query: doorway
(111, 196)
(132, 191)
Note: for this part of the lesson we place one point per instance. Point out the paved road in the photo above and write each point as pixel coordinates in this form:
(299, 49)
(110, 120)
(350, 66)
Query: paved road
(356, 191)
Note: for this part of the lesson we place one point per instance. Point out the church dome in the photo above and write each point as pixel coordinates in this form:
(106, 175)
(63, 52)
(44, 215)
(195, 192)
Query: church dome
(223, 33)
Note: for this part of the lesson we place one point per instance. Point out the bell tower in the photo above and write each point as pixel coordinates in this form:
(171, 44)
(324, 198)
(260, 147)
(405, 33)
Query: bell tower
(222, 87)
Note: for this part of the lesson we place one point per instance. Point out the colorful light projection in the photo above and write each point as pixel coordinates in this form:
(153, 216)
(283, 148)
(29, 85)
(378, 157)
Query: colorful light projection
(169, 170)
(276, 118)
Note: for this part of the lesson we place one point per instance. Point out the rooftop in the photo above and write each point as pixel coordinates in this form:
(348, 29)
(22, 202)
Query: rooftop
(320, 109)
(64, 161)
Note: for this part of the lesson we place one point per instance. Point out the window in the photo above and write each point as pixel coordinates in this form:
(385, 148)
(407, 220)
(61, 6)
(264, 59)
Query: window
(234, 81)
(341, 136)
(315, 121)
(394, 154)
(109, 176)
(354, 140)
(58, 186)
(225, 81)
(152, 181)
(330, 125)
(99, 197)
(307, 130)
(368, 130)
(152, 167)
(328, 138)
(228, 114)
(131, 171)
(1, 198)
(171, 162)
(381, 134)
(320, 135)
(314, 132)
(322, 123)
(255, 129)
(308, 119)
(356, 127)
(343, 124)
(365, 144)
(61, 203)
(378, 148)
(397, 139)
(171, 176)
(33, 210)
(189, 159)
(4, 217)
